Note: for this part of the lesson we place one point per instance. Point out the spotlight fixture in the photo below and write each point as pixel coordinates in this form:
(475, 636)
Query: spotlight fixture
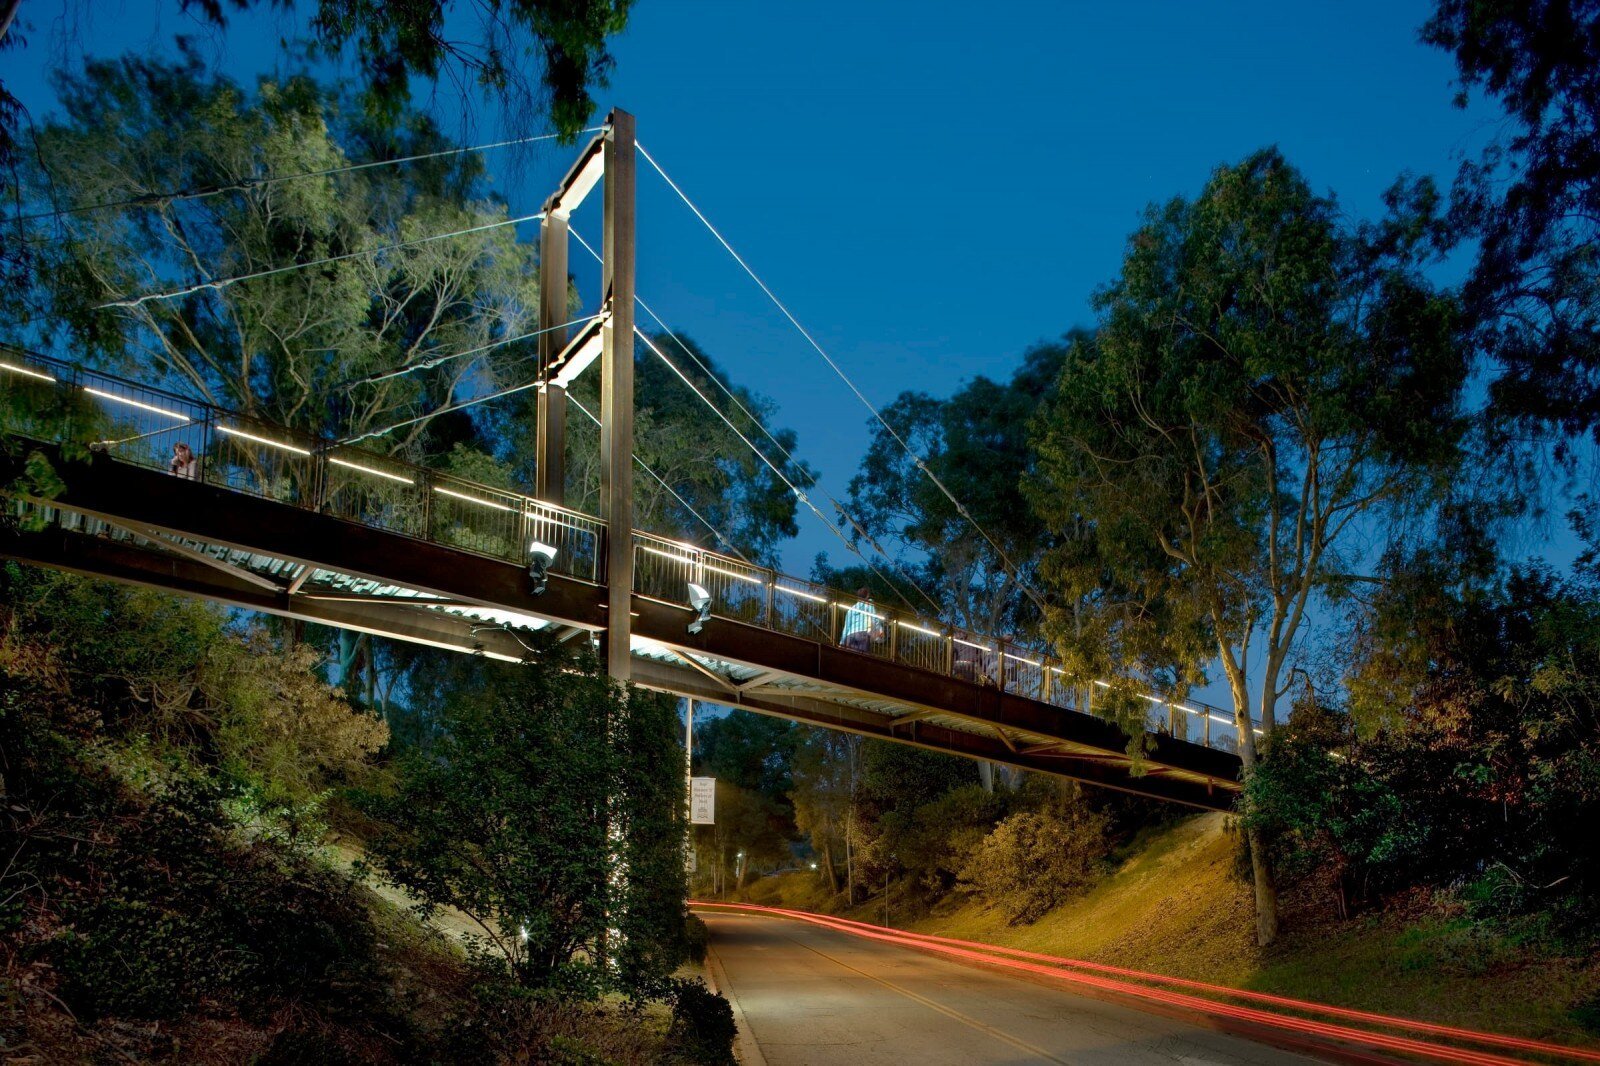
(541, 557)
(700, 603)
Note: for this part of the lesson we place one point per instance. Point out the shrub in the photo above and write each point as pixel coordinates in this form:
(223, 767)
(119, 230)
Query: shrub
(697, 938)
(1036, 860)
(702, 1025)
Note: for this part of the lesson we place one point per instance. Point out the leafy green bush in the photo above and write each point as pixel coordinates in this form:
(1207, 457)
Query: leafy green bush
(697, 938)
(1036, 860)
(702, 1025)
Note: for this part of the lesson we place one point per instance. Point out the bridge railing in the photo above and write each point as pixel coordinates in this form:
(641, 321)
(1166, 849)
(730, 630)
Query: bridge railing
(665, 569)
(55, 400)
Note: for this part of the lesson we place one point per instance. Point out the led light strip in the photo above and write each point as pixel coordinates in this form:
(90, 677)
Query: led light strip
(474, 499)
(802, 595)
(666, 554)
(336, 461)
(25, 372)
(730, 573)
(918, 629)
(242, 435)
(114, 398)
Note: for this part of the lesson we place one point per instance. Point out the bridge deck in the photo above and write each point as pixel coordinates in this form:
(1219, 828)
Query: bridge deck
(135, 525)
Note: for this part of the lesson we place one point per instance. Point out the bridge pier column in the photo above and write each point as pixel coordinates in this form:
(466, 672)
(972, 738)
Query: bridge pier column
(616, 391)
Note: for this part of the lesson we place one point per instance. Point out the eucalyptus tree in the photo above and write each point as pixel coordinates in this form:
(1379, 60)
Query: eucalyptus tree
(976, 444)
(1530, 203)
(1272, 391)
(540, 57)
(346, 275)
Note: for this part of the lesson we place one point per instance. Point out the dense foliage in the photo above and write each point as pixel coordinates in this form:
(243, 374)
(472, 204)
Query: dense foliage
(1494, 754)
(545, 810)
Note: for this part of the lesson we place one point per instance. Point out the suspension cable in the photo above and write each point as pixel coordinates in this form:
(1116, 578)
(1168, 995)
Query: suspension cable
(811, 479)
(429, 364)
(446, 410)
(917, 460)
(685, 504)
(222, 283)
(798, 492)
(246, 184)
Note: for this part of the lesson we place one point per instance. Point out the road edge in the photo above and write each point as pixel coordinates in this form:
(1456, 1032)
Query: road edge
(745, 1048)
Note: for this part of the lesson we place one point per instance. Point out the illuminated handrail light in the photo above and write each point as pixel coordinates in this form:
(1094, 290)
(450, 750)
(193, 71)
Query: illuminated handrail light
(114, 398)
(969, 644)
(733, 574)
(441, 490)
(918, 629)
(374, 471)
(242, 435)
(850, 605)
(1020, 659)
(25, 372)
(803, 595)
(675, 557)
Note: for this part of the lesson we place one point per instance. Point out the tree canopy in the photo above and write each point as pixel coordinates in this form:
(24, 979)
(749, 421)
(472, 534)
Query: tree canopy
(1267, 386)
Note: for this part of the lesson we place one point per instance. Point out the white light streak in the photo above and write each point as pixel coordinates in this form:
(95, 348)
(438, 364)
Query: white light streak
(802, 595)
(1020, 659)
(733, 574)
(918, 629)
(25, 372)
(375, 472)
(114, 398)
(666, 554)
(242, 435)
(1103, 684)
(969, 644)
(473, 499)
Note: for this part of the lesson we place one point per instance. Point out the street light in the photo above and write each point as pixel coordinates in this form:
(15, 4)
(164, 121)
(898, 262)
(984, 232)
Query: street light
(700, 603)
(541, 557)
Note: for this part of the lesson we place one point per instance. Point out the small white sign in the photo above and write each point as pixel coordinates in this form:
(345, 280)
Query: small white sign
(702, 801)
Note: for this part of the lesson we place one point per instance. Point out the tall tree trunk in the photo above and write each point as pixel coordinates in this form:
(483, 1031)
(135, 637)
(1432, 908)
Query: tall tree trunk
(849, 858)
(8, 11)
(1266, 892)
(827, 863)
(986, 775)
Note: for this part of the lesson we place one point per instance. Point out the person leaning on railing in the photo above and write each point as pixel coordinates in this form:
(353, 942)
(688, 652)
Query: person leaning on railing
(861, 623)
(184, 463)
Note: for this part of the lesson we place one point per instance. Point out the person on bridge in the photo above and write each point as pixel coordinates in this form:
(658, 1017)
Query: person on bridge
(184, 464)
(862, 624)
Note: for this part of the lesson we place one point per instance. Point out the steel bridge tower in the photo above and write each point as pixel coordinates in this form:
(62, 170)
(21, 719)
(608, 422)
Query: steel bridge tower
(609, 158)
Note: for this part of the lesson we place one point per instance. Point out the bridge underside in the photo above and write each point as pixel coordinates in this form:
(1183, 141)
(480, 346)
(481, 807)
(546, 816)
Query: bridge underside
(137, 526)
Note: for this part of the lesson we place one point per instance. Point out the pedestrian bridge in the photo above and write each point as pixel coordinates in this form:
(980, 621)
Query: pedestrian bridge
(277, 521)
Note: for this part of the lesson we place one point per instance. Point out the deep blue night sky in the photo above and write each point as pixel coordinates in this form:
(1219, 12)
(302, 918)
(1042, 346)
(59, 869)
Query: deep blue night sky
(931, 187)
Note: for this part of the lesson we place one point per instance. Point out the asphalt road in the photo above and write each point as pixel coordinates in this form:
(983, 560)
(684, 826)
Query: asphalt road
(811, 996)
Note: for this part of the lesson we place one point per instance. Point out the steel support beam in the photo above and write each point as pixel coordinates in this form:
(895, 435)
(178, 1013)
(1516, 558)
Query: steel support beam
(616, 391)
(129, 562)
(552, 424)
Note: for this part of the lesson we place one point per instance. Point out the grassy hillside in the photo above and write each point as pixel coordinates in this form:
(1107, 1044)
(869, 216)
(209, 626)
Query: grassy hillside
(1174, 904)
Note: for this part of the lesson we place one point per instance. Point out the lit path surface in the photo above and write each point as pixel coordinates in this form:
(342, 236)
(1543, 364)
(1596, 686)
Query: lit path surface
(812, 996)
